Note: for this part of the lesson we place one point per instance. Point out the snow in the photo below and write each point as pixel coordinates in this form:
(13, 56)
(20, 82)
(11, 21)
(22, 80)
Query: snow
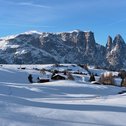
(32, 32)
(8, 37)
(57, 103)
(21, 51)
(97, 71)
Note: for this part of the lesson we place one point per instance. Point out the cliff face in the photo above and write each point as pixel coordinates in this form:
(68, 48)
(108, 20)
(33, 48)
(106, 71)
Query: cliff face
(66, 47)
(117, 54)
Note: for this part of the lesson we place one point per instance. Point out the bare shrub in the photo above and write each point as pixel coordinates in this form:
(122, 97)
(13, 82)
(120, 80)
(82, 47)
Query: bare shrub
(69, 76)
(107, 78)
(123, 83)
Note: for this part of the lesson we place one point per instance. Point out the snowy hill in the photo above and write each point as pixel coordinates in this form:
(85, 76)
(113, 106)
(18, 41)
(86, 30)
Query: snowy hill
(67, 47)
(57, 103)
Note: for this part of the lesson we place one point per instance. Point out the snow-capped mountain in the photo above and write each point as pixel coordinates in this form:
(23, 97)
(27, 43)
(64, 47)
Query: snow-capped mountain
(116, 55)
(67, 47)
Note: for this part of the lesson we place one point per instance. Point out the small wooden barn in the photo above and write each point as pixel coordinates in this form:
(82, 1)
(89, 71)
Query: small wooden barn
(58, 77)
(43, 80)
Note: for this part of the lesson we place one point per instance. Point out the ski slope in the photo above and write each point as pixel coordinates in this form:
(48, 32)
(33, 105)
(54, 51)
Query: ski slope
(57, 103)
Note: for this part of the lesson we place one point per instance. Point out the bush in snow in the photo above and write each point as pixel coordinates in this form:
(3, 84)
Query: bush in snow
(122, 74)
(42, 71)
(97, 67)
(69, 76)
(107, 78)
(123, 83)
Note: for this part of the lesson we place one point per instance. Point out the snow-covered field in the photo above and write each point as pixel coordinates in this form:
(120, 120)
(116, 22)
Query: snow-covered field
(57, 103)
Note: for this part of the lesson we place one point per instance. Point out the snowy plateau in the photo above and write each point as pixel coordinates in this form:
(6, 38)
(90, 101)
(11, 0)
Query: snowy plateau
(59, 102)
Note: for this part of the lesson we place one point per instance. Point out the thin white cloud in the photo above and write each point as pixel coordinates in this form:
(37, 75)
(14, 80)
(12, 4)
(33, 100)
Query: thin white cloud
(33, 5)
(29, 4)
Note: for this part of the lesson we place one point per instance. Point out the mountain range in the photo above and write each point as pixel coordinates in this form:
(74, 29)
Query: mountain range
(76, 46)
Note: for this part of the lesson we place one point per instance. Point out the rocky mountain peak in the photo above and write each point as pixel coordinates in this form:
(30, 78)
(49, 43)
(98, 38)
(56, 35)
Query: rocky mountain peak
(109, 43)
(116, 56)
(118, 41)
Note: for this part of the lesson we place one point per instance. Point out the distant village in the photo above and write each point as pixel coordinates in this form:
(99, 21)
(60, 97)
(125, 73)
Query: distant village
(79, 73)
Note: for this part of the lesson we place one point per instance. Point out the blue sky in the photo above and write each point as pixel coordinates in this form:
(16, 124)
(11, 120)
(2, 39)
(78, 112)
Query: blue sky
(103, 17)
